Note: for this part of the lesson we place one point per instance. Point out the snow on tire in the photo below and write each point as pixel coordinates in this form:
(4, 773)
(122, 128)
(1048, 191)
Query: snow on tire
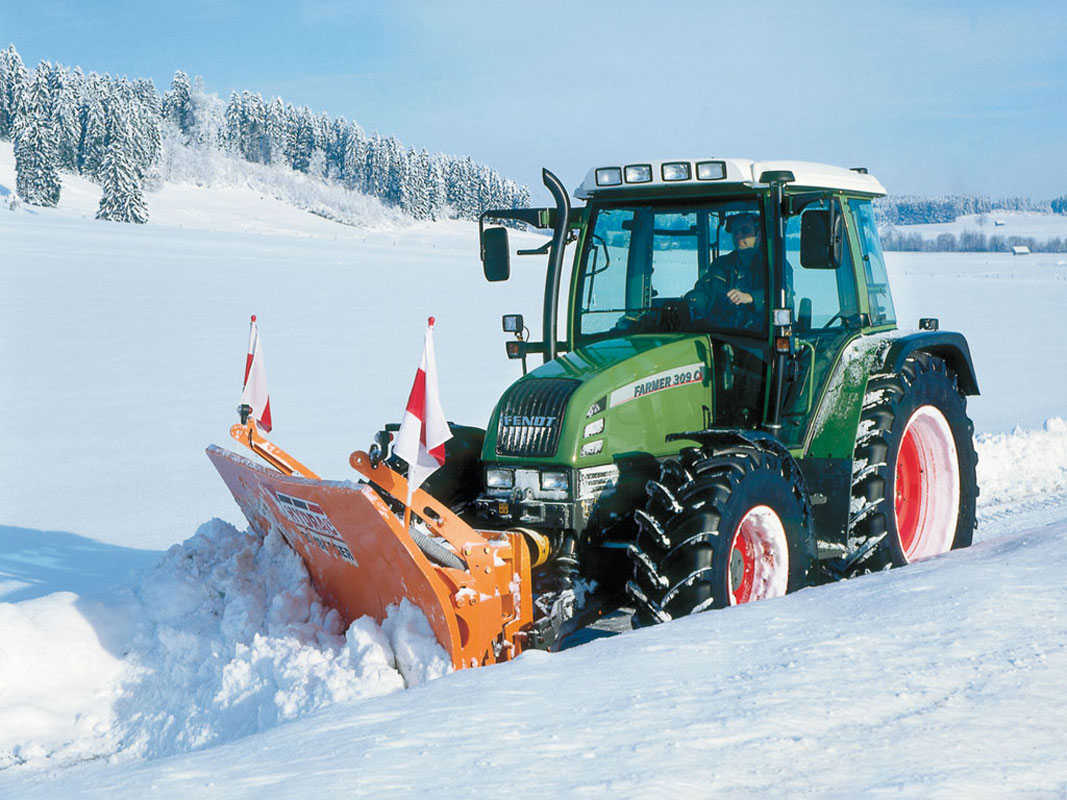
(719, 529)
(914, 487)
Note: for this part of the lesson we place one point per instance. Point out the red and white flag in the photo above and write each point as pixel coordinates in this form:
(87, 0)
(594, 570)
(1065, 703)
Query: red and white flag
(255, 389)
(424, 429)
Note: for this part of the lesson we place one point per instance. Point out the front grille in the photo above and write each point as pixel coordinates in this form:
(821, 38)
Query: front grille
(531, 417)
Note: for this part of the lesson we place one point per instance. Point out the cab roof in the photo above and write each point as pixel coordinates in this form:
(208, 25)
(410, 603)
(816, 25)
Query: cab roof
(665, 177)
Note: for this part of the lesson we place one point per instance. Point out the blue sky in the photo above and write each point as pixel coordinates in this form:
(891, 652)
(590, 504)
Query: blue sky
(933, 98)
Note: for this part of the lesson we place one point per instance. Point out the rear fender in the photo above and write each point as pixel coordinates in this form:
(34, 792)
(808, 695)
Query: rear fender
(946, 345)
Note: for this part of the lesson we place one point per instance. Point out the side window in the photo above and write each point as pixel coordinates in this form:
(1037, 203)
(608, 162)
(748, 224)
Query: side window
(881, 300)
(823, 299)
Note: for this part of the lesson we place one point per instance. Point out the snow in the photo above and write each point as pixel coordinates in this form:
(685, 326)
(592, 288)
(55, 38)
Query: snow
(997, 223)
(212, 669)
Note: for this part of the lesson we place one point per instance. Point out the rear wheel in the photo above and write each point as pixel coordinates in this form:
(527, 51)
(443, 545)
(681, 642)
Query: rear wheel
(914, 486)
(720, 529)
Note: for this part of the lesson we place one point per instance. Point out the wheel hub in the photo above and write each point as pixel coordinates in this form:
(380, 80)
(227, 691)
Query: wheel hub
(759, 557)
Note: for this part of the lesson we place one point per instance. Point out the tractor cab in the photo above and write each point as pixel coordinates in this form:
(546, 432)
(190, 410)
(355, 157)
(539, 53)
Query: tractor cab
(777, 265)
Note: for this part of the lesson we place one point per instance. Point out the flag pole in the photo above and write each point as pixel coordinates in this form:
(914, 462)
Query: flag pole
(424, 430)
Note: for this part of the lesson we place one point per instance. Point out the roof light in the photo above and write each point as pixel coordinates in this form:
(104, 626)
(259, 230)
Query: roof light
(676, 171)
(608, 176)
(638, 173)
(711, 170)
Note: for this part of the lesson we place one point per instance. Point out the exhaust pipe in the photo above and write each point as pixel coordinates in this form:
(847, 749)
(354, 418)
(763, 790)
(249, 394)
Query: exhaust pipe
(555, 261)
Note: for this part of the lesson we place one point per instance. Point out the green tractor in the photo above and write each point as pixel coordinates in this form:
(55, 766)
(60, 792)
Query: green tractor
(731, 413)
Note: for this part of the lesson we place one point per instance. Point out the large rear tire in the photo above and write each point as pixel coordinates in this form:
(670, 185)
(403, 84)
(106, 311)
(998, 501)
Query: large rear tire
(914, 486)
(718, 530)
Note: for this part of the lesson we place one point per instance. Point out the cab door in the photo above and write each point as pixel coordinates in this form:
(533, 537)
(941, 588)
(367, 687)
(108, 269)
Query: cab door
(827, 313)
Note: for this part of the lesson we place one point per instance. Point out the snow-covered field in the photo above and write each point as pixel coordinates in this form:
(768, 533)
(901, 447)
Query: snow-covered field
(212, 670)
(998, 223)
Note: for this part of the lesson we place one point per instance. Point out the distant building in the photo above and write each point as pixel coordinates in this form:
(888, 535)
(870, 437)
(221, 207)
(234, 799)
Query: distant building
(1020, 250)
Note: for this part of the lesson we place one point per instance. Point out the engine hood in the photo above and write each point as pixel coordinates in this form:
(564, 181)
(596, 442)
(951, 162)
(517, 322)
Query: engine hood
(609, 397)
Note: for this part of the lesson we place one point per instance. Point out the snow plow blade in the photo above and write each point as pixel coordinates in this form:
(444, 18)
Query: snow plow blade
(473, 586)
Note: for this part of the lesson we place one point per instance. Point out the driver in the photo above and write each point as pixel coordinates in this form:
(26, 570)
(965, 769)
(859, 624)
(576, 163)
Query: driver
(737, 276)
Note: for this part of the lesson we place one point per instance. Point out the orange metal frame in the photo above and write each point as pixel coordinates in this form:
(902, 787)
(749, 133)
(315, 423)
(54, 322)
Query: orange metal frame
(477, 614)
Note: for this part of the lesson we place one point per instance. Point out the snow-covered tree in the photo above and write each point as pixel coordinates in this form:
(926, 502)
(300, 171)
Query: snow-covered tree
(354, 158)
(13, 79)
(122, 199)
(67, 117)
(93, 144)
(36, 142)
(300, 139)
(178, 103)
(276, 131)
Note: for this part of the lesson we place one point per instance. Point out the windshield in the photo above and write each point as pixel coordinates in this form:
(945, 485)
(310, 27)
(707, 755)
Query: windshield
(653, 268)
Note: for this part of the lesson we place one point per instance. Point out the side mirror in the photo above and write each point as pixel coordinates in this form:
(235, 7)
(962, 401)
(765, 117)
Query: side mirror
(496, 254)
(821, 238)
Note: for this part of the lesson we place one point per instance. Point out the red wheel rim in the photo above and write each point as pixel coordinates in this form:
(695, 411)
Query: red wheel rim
(742, 567)
(926, 486)
(909, 490)
(758, 566)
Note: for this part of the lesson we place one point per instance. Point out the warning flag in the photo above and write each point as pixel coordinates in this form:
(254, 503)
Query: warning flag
(424, 429)
(255, 388)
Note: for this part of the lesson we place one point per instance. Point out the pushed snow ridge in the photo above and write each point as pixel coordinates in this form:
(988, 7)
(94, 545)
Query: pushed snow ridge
(223, 637)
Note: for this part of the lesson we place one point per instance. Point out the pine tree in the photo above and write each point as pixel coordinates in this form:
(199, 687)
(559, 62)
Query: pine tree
(36, 175)
(413, 193)
(121, 199)
(300, 139)
(93, 144)
(335, 151)
(147, 122)
(235, 123)
(178, 104)
(67, 118)
(13, 80)
(257, 146)
(275, 129)
(436, 196)
(354, 158)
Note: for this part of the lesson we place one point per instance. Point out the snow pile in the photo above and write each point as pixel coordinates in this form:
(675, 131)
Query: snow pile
(223, 637)
(1023, 464)
(58, 673)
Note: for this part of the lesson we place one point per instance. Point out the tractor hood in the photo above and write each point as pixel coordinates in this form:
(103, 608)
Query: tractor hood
(608, 397)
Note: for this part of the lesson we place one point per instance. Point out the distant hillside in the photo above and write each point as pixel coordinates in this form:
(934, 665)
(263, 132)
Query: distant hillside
(972, 223)
(126, 136)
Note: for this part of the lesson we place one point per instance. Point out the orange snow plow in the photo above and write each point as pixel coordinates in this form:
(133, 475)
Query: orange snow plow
(473, 586)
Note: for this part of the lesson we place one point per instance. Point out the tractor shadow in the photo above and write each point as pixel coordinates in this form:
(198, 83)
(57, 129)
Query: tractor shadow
(34, 563)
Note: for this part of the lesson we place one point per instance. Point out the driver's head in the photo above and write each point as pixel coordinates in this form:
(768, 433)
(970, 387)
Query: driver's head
(744, 228)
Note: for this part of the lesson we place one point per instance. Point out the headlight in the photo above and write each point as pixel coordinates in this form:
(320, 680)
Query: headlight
(676, 171)
(608, 176)
(638, 173)
(711, 170)
(555, 481)
(499, 478)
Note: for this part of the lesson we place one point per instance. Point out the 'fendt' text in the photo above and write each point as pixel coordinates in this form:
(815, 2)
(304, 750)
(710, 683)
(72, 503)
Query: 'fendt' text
(532, 422)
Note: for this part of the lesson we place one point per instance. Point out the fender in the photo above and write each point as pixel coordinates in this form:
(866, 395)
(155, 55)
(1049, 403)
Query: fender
(947, 345)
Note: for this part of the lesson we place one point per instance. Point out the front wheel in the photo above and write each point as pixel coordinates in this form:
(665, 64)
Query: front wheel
(720, 529)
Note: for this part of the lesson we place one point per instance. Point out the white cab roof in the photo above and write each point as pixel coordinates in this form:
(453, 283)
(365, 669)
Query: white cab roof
(743, 171)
